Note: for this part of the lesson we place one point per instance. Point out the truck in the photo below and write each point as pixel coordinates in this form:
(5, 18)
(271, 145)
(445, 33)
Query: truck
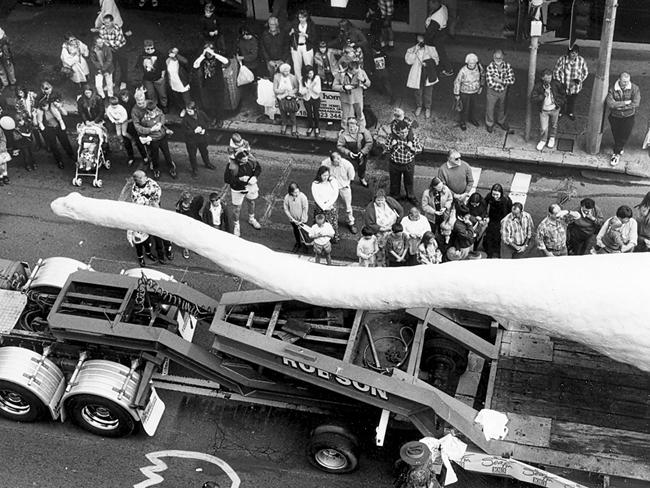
(93, 348)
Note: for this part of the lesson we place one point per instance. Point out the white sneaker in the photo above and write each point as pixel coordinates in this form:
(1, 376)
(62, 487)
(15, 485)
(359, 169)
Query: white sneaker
(551, 142)
(256, 225)
(615, 159)
(418, 111)
(540, 145)
(236, 230)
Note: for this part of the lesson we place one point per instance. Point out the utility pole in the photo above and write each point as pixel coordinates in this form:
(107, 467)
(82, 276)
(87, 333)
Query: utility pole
(601, 82)
(532, 69)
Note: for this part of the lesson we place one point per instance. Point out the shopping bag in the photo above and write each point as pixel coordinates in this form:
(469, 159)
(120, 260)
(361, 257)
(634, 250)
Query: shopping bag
(245, 76)
(265, 94)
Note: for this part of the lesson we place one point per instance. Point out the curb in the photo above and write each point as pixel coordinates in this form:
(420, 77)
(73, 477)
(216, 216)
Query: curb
(560, 159)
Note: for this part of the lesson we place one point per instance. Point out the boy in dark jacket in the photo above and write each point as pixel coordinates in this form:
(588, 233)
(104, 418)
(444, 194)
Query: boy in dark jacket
(549, 96)
(195, 122)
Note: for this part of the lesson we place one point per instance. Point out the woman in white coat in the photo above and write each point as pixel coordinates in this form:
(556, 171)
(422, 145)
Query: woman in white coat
(423, 75)
(73, 59)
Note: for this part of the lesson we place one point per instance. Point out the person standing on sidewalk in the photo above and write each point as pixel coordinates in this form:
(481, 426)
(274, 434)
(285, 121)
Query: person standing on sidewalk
(402, 152)
(7, 71)
(467, 87)
(351, 82)
(310, 90)
(499, 75)
(355, 144)
(423, 74)
(296, 208)
(152, 64)
(114, 37)
(436, 34)
(457, 175)
(623, 101)
(179, 78)
(303, 37)
(342, 171)
(549, 95)
(241, 174)
(209, 69)
(571, 71)
(285, 87)
(274, 46)
(101, 57)
(195, 122)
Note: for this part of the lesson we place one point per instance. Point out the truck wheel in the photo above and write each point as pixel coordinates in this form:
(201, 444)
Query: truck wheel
(333, 453)
(100, 416)
(18, 403)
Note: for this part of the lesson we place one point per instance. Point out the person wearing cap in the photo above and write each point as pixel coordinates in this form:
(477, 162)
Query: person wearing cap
(423, 74)
(152, 64)
(209, 66)
(303, 36)
(177, 68)
(468, 85)
(195, 123)
(571, 71)
(457, 175)
(551, 232)
(274, 46)
(149, 122)
(342, 172)
(241, 175)
(415, 467)
(499, 76)
(216, 213)
(550, 96)
(436, 33)
(623, 100)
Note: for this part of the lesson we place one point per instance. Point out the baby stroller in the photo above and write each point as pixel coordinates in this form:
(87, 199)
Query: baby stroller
(92, 140)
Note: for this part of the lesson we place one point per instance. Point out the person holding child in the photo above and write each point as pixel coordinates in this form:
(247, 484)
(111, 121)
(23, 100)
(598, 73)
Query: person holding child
(618, 233)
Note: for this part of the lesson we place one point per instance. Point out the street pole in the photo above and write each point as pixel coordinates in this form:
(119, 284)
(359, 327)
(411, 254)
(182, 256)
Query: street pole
(594, 133)
(532, 68)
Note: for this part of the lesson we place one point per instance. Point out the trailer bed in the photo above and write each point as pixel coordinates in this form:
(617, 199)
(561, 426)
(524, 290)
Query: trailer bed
(589, 410)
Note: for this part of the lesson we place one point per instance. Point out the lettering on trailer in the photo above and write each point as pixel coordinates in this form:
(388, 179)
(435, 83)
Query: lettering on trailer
(341, 380)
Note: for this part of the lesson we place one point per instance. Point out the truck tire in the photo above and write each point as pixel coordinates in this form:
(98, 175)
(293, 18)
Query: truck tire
(18, 403)
(333, 453)
(100, 416)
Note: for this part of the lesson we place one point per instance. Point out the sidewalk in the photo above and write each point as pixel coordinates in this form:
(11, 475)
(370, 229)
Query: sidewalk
(35, 34)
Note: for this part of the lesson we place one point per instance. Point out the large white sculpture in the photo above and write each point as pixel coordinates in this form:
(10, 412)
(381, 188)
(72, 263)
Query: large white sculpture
(596, 300)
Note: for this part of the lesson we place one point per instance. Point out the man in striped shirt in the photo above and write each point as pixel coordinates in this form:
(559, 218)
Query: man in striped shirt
(516, 232)
(571, 71)
(499, 76)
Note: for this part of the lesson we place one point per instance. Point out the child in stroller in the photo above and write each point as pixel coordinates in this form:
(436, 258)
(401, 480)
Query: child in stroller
(92, 139)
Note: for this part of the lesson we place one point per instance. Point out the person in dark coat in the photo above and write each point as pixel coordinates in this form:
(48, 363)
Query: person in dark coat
(216, 213)
(195, 123)
(209, 66)
(90, 106)
(127, 100)
(211, 29)
(190, 207)
(499, 205)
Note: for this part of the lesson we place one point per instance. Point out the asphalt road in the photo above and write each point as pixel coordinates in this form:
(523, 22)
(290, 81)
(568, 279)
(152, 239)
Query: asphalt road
(265, 447)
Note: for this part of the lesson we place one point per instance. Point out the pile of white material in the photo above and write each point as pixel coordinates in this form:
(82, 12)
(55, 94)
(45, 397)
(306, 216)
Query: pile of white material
(596, 300)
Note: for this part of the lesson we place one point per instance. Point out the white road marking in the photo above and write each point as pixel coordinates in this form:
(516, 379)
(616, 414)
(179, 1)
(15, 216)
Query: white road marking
(519, 187)
(158, 466)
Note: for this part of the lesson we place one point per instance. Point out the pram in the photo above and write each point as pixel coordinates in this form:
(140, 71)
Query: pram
(92, 140)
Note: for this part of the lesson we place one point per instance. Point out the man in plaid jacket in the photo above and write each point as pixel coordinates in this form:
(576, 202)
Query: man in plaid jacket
(499, 76)
(402, 151)
(571, 71)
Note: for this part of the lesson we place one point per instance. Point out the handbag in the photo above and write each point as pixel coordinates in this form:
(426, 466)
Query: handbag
(288, 104)
(245, 76)
(458, 105)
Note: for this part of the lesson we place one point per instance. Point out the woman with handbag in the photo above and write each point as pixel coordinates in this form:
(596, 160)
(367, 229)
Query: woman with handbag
(285, 87)
(73, 59)
(310, 89)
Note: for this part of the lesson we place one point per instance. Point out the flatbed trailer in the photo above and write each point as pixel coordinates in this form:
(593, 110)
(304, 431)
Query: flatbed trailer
(87, 345)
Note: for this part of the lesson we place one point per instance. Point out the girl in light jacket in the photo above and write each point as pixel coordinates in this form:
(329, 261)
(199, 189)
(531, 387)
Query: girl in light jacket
(423, 60)
(325, 191)
(310, 89)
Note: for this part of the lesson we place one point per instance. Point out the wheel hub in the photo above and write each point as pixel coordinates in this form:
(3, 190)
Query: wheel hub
(331, 459)
(12, 402)
(100, 417)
